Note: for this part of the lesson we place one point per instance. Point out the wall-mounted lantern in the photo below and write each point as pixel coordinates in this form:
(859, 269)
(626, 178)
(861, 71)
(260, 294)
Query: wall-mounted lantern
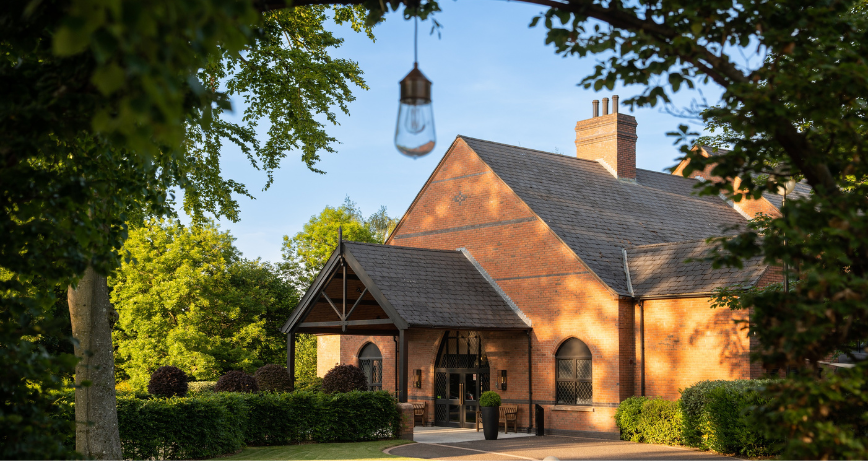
(503, 380)
(418, 383)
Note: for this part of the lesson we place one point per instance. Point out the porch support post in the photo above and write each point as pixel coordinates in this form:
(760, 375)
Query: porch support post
(290, 357)
(402, 366)
(529, 385)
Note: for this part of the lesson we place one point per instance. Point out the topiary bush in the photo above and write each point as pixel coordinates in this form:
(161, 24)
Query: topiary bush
(274, 378)
(236, 381)
(489, 399)
(168, 381)
(344, 378)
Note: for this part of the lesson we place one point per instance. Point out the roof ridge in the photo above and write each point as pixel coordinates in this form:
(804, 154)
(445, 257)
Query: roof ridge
(650, 245)
(563, 155)
(381, 245)
(527, 148)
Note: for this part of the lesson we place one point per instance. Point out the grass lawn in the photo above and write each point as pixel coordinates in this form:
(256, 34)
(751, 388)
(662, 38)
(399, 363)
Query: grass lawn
(359, 450)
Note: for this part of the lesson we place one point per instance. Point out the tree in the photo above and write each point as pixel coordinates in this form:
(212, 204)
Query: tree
(186, 298)
(108, 108)
(307, 252)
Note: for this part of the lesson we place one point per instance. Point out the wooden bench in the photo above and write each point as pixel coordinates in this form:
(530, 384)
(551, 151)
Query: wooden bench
(420, 410)
(508, 414)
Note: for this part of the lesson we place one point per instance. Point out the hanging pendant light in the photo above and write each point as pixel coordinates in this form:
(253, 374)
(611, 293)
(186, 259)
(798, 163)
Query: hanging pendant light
(414, 132)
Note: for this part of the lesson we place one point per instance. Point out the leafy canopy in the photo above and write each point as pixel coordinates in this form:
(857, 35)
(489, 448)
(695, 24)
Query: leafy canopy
(186, 298)
(307, 252)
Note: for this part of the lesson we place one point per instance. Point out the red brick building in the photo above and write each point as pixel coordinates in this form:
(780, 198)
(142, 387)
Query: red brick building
(557, 281)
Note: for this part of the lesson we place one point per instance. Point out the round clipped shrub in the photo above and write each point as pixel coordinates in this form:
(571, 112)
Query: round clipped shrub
(344, 378)
(168, 381)
(489, 399)
(273, 377)
(236, 381)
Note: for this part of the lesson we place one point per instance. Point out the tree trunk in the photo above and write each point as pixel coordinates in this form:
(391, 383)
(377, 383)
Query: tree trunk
(96, 429)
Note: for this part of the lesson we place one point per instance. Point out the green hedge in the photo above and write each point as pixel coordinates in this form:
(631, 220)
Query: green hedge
(213, 424)
(641, 419)
(711, 415)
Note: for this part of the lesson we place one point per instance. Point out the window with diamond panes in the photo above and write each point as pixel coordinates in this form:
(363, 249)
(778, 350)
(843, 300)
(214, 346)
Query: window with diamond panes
(371, 362)
(573, 374)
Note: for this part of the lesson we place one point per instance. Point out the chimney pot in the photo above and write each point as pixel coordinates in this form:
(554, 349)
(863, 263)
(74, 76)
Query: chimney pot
(605, 106)
(596, 108)
(615, 104)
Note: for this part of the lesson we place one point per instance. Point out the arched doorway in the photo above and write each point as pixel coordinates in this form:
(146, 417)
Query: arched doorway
(461, 376)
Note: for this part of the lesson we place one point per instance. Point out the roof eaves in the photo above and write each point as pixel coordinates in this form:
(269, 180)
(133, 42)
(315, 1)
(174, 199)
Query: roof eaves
(496, 287)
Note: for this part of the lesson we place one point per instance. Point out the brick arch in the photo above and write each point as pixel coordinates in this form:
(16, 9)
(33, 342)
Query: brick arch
(595, 351)
(358, 352)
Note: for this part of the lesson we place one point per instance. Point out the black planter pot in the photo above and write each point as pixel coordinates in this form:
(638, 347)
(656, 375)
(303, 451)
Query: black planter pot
(490, 420)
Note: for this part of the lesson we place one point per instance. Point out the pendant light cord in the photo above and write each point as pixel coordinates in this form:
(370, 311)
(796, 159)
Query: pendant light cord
(415, 39)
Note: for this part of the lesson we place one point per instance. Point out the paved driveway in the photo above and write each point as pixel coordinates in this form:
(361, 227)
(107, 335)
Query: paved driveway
(537, 448)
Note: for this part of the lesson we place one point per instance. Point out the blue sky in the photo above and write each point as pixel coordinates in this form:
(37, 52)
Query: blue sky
(494, 79)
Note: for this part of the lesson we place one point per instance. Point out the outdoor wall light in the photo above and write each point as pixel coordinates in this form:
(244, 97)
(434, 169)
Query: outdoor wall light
(418, 383)
(414, 132)
(503, 380)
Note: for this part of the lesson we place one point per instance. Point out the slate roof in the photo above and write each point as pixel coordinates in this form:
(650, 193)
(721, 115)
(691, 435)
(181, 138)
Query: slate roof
(661, 269)
(435, 288)
(597, 215)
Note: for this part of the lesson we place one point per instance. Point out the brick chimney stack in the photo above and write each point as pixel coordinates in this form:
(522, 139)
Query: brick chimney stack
(609, 139)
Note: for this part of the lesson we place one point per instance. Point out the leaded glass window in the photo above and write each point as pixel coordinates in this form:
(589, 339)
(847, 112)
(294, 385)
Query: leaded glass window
(573, 374)
(371, 362)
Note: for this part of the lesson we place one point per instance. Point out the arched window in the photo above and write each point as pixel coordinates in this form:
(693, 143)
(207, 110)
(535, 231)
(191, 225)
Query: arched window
(574, 372)
(371, 362)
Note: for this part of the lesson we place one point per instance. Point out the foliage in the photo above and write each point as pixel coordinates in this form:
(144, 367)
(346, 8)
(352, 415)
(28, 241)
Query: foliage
(36, 357)
(641, 419)
(273, 377)
(308, 384)
(344, 378)
(660, 421)
(721, 416)
(814, 414)
(202, 387)
(306, 253)
(305, 357)
(726, 422)
(105, 118)
(627, 418)
(489, 399)
(236, 381)
(186, 297)
(210, 425)
(168, 381)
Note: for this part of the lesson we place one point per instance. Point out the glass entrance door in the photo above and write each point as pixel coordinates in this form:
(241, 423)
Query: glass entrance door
(460, 378)
(462, 398)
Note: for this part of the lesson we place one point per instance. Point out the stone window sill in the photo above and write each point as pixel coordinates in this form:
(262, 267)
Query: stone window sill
(573, 408)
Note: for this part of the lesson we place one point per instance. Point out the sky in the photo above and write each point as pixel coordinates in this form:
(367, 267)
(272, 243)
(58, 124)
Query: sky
(493, 78)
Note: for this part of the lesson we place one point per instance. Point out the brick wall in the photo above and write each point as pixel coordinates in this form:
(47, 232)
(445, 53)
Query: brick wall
(686, 341)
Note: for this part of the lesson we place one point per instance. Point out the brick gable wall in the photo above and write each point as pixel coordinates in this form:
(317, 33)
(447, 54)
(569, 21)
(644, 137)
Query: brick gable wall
(464, 204)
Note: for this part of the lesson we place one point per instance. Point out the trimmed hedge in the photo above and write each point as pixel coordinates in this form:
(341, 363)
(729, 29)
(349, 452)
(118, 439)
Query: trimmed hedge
(213, 424)
(711, 415)
(649, 420)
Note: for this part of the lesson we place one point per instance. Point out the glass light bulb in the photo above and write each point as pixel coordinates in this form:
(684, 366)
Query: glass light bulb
(414, 132)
